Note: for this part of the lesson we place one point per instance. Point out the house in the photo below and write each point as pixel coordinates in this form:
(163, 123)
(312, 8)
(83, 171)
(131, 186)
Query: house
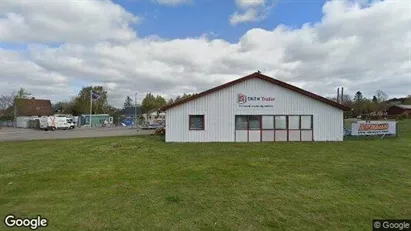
(254, 108)
(27, 110)
(97, 120)
(399, 109)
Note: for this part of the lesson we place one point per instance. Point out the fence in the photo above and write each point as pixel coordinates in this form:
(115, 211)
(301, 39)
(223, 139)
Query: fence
(8, 123)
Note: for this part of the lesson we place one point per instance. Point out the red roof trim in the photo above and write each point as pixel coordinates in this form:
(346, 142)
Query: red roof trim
(262, 77)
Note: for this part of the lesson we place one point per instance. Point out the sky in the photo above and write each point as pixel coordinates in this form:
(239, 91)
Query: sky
(170, 47)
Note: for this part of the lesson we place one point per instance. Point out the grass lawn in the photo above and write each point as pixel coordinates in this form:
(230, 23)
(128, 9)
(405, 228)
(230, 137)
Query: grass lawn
(88, 184)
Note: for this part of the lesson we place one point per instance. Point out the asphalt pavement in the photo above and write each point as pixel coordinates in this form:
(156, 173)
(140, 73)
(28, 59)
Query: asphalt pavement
(14, 134)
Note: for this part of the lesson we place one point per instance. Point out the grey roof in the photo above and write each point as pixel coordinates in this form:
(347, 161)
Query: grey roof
(403, 106)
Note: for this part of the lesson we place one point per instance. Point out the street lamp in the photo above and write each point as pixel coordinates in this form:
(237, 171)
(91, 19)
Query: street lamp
(135, 109)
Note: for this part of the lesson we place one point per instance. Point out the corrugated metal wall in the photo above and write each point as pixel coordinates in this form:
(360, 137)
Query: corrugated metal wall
(220, 109)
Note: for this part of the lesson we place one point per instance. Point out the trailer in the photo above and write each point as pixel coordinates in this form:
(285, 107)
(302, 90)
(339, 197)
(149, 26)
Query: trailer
(55, 122)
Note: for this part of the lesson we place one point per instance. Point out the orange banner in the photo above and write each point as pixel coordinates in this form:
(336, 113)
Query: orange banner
(373, 127)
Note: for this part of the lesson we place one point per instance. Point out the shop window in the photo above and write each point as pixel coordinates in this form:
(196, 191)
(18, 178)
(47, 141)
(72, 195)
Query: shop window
(196, 122)
(241, 122)
(280, 122)
(267, 122)
(306, 122)
(254, 122)
(293, 122)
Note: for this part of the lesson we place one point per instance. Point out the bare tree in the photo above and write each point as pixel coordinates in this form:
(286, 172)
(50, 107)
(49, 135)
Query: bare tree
(381, 96)
(7, 101)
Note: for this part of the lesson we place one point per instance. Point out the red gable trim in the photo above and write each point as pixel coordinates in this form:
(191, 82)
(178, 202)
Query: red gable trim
(262, 77)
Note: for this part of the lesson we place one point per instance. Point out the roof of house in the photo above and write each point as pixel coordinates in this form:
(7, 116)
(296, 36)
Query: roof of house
(258, 75)
(408, 107)
(33, 107)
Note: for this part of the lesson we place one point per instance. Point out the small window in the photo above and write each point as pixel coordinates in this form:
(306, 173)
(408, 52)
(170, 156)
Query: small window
(196, 122)
(267, 122)
(306, 122)
(254, 122)
(293, 122)
(280, 122)
(241, 122)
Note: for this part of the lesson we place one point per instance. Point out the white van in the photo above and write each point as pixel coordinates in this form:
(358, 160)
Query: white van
(54, 122)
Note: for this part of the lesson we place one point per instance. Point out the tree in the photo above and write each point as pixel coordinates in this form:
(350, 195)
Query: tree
(151, 102)
(358, 104)
(8, 102)
(374, 99)
(160, 101)
(148, 103)
(381, 96)
(128, 103)
(407, 100)
(82, 101)
(358, 96)
(183, 97)
(66, 107)
(7, 106)
(22, 94)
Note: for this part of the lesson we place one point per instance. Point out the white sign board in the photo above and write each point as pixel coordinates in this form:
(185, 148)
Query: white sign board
(254, 101)
(369, 128)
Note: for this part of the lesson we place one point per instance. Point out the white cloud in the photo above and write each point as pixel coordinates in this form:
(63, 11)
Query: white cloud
(251, 11)
(250, 15)
(345, 48)
(245, 4)
(64, 21)
(172, 2)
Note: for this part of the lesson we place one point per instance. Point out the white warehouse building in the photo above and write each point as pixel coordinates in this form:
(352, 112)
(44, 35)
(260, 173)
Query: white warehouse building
(254, 108)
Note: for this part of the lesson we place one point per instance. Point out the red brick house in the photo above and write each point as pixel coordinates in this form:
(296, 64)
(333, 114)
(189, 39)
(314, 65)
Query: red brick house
(399, 109)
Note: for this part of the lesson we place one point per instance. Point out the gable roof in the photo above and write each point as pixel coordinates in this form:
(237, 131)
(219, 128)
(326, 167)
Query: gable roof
(33, 107)
(258, 75)
(407, 107)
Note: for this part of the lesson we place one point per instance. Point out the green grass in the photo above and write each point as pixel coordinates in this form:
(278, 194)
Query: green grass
(88, 184)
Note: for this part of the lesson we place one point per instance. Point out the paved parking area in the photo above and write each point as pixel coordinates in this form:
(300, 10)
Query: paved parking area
(12, 134)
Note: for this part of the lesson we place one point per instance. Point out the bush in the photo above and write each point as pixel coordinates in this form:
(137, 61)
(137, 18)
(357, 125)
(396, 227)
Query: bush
(402, 116)
(160, 131)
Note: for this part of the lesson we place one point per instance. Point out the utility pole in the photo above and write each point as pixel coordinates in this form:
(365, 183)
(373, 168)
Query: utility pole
(135, 109)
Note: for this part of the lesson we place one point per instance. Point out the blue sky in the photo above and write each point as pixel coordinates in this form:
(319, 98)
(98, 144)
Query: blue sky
(207, 16)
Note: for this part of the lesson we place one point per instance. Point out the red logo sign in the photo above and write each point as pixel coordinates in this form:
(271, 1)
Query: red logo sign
(241, 98)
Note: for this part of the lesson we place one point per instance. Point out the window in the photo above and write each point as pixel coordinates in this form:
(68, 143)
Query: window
(293, 122)
(241, 122)
(196, 122)
(280, 122)
(306, 122)
(254, 122)
(268, 122)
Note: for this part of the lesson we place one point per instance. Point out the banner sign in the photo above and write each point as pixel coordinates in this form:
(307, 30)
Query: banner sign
(369, 128)
(254, 101)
